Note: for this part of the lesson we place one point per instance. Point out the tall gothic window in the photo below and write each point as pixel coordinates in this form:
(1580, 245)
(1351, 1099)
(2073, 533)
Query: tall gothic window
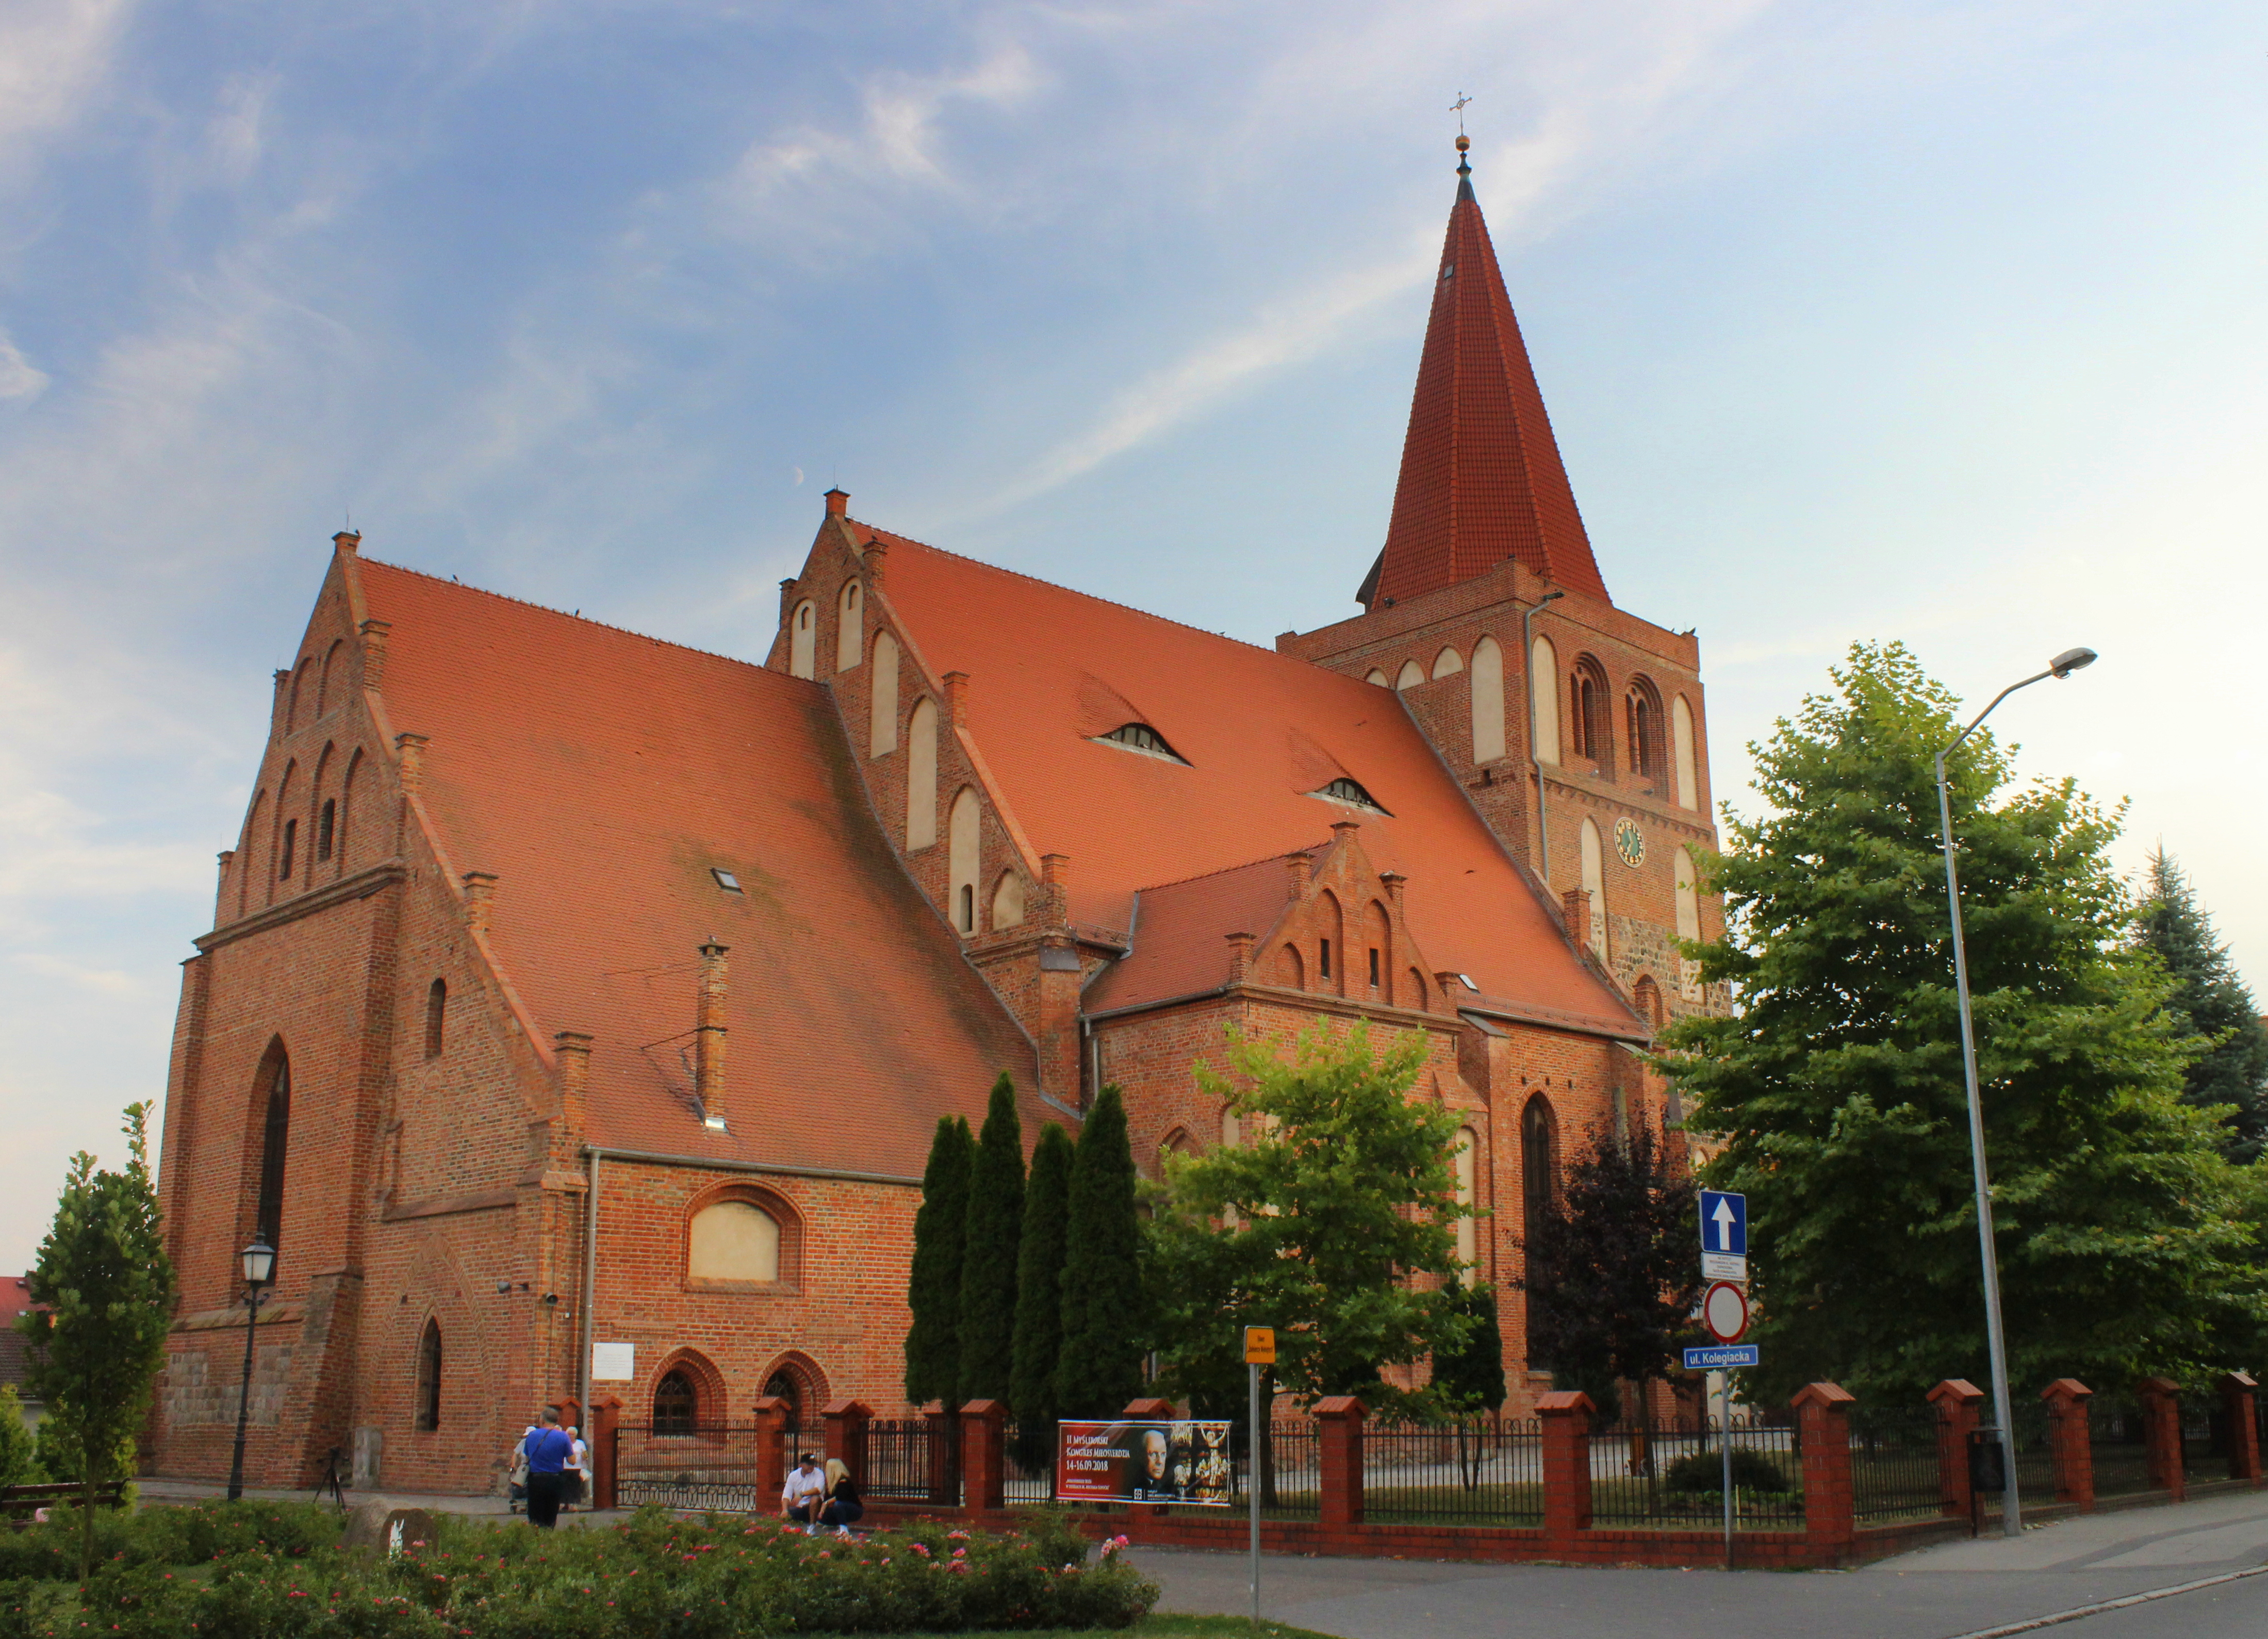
(326, 822)
(267, 1213)
(437, 1014)
(1539, 1167)
(428, 1376)
(676, 1405)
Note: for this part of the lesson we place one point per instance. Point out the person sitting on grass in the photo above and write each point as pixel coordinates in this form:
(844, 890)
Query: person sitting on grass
(843, 1505)
(801, 1496)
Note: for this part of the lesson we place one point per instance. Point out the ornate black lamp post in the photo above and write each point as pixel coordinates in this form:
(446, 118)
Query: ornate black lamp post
(259, 1269)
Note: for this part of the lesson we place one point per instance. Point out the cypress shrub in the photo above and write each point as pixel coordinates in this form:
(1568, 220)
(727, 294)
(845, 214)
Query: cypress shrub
(933, 1287)
(1039, 1297)
(988, 1270)
(1104, 1315)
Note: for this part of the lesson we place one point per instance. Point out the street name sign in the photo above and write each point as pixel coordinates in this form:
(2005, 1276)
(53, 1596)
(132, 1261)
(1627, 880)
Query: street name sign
(1720, 1356)
(1724, 1236)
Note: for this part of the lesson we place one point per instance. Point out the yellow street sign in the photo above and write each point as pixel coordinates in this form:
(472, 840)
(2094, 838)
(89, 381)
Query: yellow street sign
(1259, 1345)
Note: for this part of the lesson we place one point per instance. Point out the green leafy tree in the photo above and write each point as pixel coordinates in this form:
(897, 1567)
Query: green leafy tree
(96, 1343)
(1105, 1318)
(1470, 1375)
(20, 1463)
(1334, 1221)
(989, 1265)
(1613, 1267)
(1039, 1295)
(934, 1284)
(2211, 1000)
(1836, 1091)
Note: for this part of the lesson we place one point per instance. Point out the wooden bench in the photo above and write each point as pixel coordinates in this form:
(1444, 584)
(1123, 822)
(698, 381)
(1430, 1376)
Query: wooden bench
(18, 1503)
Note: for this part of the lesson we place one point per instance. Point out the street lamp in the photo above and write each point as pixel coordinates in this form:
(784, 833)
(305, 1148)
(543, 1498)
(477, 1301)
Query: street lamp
(259, 1269)
(2011, 1518)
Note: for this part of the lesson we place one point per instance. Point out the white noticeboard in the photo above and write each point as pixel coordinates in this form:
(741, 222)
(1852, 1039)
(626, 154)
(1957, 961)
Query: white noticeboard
(613, 1362)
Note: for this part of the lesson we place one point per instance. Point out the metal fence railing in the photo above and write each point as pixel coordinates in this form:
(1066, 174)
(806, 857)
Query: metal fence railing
(904, 1463)
(1290, 1470)
(1477, 1471)
(1894, 1463)
(1670, 1475)
(1028, 1467)
(705, 1467)
(2114, 1436)
(2205, 1438)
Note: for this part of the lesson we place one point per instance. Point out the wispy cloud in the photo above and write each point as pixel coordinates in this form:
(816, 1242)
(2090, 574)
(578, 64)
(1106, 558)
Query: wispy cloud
(53, 54)
(18, 378)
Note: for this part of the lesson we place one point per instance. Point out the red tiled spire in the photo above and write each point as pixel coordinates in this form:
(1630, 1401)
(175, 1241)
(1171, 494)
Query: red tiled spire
(1481, 477)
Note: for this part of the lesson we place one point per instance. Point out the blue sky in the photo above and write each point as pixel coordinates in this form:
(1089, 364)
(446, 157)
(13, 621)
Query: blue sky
(1856, 319)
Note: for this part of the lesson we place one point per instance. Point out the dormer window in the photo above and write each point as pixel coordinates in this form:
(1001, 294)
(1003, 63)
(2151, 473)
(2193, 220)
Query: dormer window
(725, 879)
(1345, 790)
(1142, 738)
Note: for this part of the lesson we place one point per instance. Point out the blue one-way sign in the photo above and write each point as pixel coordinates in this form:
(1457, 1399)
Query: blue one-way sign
(1724, 1222)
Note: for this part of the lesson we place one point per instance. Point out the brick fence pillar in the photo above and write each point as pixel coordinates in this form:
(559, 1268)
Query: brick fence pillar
(606, 1422)
(944, 1455)
(2162, 1434)
(846, 1422)
(1957, 1399)
(983, 1455)
(2236, 1392)
(771, 1450)
(1566, 1417)
(1823, 1416)
(1341, 1417)
(2068, 1445)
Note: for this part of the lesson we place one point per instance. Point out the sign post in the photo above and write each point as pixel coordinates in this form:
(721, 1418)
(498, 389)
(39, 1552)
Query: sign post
(1725, 1311)
(1259, 1351)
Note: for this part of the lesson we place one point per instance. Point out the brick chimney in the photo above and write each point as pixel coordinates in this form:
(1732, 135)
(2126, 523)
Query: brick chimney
(956, 699)
(1394, 881)
(838, 503)
(373, 652)
(346, 543)
(412, 748)
(480, 890)
(1343, 830)
(1239, 957)
(787, 601)
(1578, 904)
(220, 901)
(708, 1037)
(1055, 890)
(572, 1051)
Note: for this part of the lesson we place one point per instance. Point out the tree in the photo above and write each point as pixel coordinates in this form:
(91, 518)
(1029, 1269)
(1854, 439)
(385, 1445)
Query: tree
(19, 1463)
(96, 1343)
(1836, 1091)
(1105, 1320)
(1470, 1374)
(2209, 1000)
(934, 1284)
(988, 1269)
(1039, 1295)
(1612, 1268)
(1333, 1222)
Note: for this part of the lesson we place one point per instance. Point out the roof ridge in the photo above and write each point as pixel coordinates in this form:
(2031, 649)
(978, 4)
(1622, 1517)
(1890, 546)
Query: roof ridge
(582, 619)
(1163, 619)
(1204, 876)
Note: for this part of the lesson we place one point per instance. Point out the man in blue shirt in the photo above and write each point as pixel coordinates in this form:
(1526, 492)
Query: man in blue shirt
(548, 1450)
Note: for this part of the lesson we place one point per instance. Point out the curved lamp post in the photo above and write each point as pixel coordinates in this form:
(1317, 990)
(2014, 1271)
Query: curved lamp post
(2011, 1518)
(259, 1269)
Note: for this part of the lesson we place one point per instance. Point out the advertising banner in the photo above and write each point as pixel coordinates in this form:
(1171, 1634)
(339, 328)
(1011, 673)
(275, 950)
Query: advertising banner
(1127, 1460)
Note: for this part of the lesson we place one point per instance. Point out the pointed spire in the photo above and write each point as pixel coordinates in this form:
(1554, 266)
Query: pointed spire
(1480, 476)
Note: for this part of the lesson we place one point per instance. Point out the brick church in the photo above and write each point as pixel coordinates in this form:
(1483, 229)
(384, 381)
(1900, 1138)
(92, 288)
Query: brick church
(578, 1007)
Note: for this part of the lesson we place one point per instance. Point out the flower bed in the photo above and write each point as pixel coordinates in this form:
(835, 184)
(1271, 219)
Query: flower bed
(273, 1577)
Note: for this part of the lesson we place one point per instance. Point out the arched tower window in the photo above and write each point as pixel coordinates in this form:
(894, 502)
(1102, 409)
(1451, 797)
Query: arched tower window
(1465, 1167)
(428, 1376)
(1378, 677)
(1645, 995)
(1643, 727)
(1594, 883)
(1488, 701)
(326, 825)
(1543, 698)
(676, 1403)
(1539, 1164)
(286, 849)
(1688, 896)
(275, 1141)
(1586, 714)
(324, 700)
(348, 791)
(437, 1010)
(1682, 752)
(882, 682)
(802, 640)
(1008, 902)
(921, 775)
(1448, 663)
(849, 626)
(1289, 970)
(1410, 676)
(964, 827)
(298, 683)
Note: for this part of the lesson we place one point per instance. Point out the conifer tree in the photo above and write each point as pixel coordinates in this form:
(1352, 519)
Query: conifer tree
(933, 1285)
(987, 1267)
(1039, 1295)
(1836, 1091)
(2211, 1000)
(1104, 1314)
(1470, 1374)
(19, 1463)
(95, 1345)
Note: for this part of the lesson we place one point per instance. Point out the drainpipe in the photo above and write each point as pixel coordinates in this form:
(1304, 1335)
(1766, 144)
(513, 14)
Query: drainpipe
(590, 1280)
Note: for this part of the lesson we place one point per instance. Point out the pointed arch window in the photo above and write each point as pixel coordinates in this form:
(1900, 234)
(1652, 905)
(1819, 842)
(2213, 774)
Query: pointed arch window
(286, 849)
(964, 834)
(1642, 729)
(1344, 789)
(1488, 701)
(437, 1012)
(1539, 1164)
(849, 626)
(1465, 1165)
(1586, 714)
(1142, 738)
(429, 1376)
(326, 826)
(802, 640)
(275, 1141)
(676, 1404)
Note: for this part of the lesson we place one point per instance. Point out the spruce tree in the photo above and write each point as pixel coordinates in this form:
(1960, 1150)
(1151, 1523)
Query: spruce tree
(1470, 1374)
(1104, 1315)
(988, 1269)
(1039, 1296)
(933, 1286)
(1836, 1091)
(2209, 1000)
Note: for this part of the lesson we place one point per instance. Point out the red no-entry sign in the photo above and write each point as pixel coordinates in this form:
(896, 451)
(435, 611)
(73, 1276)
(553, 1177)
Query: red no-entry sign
(1725, 1311)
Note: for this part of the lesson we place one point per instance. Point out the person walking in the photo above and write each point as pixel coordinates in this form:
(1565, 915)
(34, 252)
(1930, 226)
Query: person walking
(843, 1505)
(801, 1496)
(579, 1469)
(548, 1449)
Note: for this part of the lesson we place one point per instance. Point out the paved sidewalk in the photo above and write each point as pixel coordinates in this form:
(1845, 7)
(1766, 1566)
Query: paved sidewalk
(1953, 1589)
(489, 1505)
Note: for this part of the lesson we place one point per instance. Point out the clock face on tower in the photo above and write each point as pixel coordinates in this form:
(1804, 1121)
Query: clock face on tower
(1629, 841)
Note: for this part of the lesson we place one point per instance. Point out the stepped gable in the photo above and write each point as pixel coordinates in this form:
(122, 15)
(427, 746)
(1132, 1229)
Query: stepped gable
(1259, 730)
(1181, 928)
(601, 775)
(1481, 479)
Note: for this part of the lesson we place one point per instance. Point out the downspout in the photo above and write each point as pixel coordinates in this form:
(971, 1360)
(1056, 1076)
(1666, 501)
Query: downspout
(1534, 762)
(589, 1281)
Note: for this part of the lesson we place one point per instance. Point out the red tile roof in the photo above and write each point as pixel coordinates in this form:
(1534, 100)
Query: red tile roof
(1481, 475)
(1260, 731)
(1181, 928)
(602, 776)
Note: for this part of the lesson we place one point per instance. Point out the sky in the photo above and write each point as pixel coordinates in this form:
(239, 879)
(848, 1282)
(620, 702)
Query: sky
(1856, 319)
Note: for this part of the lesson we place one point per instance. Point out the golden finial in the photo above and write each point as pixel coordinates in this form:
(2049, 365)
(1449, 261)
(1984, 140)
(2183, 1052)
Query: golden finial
(1464, 143)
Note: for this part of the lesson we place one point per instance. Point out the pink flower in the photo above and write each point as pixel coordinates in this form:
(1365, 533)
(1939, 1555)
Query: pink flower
(824, 1553)
(956, 1536)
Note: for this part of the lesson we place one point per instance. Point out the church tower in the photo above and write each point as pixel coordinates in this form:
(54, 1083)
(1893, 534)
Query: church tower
(1577, 729)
